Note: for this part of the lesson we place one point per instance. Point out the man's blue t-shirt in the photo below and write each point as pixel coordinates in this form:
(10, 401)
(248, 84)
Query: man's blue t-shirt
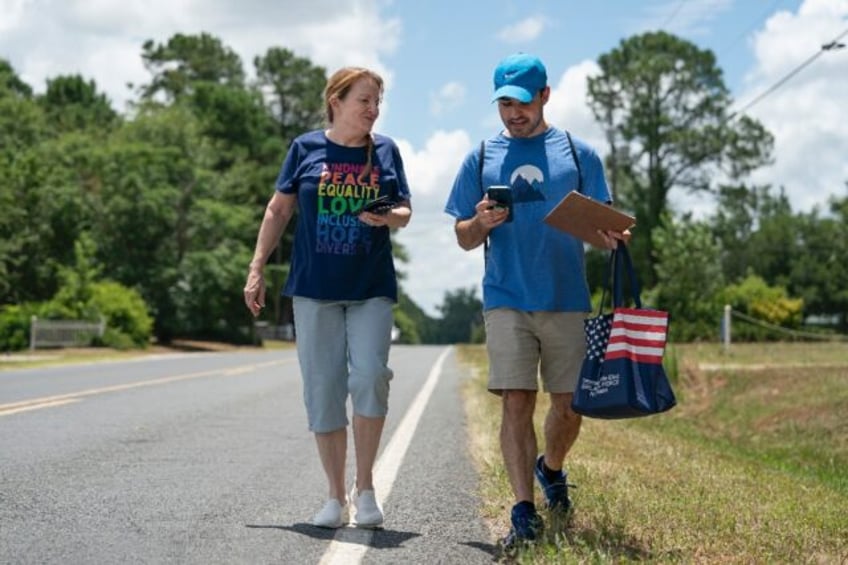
(530, 265)
(335, 256)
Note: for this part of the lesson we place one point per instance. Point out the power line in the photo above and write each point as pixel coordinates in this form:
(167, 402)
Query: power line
(831, 45)
(744, 32)
(672, 15)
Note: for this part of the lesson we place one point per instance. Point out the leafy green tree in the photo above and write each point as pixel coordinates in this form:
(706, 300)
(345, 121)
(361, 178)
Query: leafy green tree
(597, 267)
(22, 123)
(408, 329)
(72, 103)
(818, 272)
(152, 174)
(205, 74)
(774, 244)
(236, 122)
(22, 127)
(184, 61)
(73, 299)
(11, 84)
(734, 223)
(425, 326)
(461, 312)
(207, 294)
(665, 109)
(689, 278)
(293, 88)
(47, 212)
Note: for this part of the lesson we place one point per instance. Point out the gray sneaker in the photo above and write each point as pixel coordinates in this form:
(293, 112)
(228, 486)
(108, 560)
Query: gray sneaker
(332, 515)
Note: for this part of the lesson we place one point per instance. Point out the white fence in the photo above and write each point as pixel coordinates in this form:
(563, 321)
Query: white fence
(63, 333)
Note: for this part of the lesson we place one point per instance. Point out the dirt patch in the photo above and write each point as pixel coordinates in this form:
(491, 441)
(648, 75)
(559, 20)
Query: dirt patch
(183, 345)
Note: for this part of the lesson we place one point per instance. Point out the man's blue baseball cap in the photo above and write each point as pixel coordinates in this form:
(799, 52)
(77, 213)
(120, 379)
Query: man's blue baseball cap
(520, 76)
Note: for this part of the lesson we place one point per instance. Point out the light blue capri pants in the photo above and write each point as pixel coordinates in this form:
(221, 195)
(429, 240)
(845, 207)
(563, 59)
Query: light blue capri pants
(343, 349)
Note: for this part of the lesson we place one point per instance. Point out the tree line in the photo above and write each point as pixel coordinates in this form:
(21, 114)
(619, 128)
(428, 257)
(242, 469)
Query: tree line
(148, 218)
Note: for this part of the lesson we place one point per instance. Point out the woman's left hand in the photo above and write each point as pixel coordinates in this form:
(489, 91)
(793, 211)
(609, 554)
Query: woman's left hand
(397, 217)
(374, 220)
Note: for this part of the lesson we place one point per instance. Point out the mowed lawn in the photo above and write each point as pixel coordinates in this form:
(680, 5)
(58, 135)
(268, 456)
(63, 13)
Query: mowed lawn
(750, 467)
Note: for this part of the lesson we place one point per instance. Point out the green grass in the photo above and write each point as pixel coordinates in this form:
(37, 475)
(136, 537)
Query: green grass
(750, 467)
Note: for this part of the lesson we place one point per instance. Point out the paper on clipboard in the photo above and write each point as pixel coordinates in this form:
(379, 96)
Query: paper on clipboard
(582, 217)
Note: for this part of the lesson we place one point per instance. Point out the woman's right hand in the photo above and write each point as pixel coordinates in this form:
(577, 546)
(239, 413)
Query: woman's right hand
(254, 292)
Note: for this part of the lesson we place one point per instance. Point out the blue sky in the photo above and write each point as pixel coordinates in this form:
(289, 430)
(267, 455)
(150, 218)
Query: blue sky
(437, 58)
(463, 44)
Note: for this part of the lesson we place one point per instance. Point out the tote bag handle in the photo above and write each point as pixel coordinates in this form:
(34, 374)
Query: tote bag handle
(620, 257)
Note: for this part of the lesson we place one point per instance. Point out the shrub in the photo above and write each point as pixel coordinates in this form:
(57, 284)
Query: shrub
(14, 326)
(125, 313)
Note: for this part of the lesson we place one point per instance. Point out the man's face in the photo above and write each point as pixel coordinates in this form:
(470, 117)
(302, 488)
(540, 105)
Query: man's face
(524, 120)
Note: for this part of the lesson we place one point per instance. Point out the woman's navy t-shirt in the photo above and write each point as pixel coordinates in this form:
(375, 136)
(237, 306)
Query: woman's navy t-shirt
(335, 256)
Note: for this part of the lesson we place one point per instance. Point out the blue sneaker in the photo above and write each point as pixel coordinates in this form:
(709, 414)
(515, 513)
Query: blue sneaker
(556, 491)
(527, 526)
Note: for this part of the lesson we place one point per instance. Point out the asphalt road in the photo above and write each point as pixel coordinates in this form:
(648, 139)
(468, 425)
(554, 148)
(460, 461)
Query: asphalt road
(206, 458)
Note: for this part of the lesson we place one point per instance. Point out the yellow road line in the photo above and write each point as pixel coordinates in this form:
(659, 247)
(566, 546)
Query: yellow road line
(36, 406)
(58, 400)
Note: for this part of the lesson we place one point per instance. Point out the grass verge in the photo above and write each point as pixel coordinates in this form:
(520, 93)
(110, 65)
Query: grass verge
(750, 467)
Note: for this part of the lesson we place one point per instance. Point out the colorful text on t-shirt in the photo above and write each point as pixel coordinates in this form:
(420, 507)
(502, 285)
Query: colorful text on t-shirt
(342, 191)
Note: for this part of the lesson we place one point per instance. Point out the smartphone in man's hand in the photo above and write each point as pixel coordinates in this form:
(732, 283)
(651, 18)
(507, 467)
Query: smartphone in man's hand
(500, 197)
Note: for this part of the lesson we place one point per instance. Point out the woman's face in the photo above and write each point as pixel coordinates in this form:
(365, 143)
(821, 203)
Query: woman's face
(360, 108)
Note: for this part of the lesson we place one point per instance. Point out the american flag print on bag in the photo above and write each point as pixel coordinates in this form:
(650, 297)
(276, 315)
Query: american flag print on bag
(638, 334)
(597, 336)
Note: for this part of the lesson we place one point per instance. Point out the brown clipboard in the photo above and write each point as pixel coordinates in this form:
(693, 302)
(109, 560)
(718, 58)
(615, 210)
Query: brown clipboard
(582, 217)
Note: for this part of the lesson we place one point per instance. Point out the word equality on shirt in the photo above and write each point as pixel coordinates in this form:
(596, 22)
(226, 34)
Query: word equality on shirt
(343, 194)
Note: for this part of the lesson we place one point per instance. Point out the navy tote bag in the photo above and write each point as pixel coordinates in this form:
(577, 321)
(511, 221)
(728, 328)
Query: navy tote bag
(622, 375)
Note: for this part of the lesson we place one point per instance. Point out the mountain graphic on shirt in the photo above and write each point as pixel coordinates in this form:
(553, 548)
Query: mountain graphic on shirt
(524, 190)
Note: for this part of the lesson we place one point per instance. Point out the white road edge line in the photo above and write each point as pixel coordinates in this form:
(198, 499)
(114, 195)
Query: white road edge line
(350, 544)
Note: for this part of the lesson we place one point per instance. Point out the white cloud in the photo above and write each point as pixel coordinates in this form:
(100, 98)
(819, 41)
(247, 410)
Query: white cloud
(127, 18)
(807, 113)
(568, 107)
(11, 13)
(353, 37)
(437, 263)
(81, 35)
(526, 30)
(450, 96)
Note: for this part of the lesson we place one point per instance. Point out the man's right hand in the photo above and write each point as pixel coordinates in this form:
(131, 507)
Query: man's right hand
(490, 216)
